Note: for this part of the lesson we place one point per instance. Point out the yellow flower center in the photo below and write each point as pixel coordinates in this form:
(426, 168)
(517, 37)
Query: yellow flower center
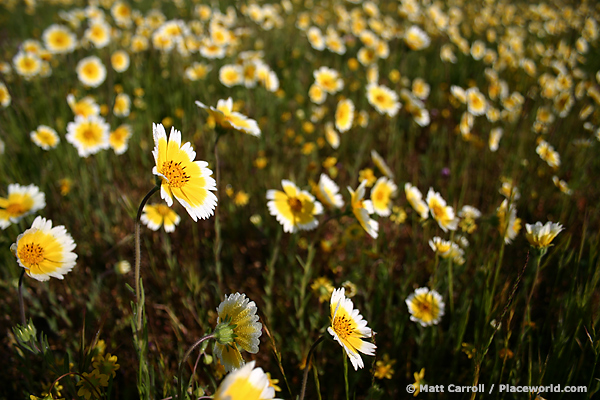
(437, 210)
(174, 173)
(16, 210)
(31, 254)
(295, 204)
(342, 326)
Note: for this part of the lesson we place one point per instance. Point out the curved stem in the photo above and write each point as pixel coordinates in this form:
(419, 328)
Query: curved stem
(185, 357)
(138, 295)
(21, 302)
(81, 376)
(307, 366)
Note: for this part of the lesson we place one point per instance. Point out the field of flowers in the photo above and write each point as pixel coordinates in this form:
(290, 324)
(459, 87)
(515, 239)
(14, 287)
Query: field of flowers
(299, 199)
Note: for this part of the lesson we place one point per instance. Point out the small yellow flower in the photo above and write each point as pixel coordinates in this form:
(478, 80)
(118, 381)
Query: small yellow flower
(419, 380)
(323, 288)
(157, 215)
(91, 386)
(384, 368)
(241, 198)
(367, 175)
(106, 365)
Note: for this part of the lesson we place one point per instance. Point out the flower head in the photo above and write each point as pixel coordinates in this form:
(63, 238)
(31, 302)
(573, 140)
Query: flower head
(85, 107)
(120, 60)
(58, 39)
(119, 138)
(541, 236)
(5, 98)
(344, 115)
(381, 164)
(239, 313)
(425, 306)
(189, 181)
(45, 251)
(226, 118)
(88, 134)
(246, 383)
(381, 196)
(509, 226)
(21, 201)
(442, 213)
(91, 72)
(348, 328)
(384, 99)
(327, 192)
(416, 38)
(45, 137)
(415, 198)
(160, 214)
(362, 209)
(295, 209)
(384, 369)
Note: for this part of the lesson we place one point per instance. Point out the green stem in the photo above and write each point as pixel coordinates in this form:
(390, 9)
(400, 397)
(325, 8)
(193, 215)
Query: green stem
(138, 294)
(21, 302)
(346, 386)
(307, 366)
(185, 357)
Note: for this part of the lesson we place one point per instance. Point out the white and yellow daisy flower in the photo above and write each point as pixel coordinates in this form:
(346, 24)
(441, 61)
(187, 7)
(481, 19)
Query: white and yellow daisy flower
(420, 88)
(120, 60)
(231, 75)
(122, 14)
(415, 198)
(495, 136)
(98, 33)
(509, 227)
(45, 251)
(20, 202)
(295, 209)
(45, 137)
(384, 99)
(331, 135)
(541, 236)
(88, 135)
(58, 39)
(328, 79)
(246, 383)
(381, 196)
(344, 115)
(156, 215)
(119, 138)
(227, 118)
(362, 209)
(548, 154)
(425, 306)
(349, 329)
(5, 98)
(122, 105)
(317, 94)
(237, 311)
(85, 107)
(381, 164)
(197, 71)
(184, 179)
(315, 38)
(442, 213)
(416, 39)
(91, 72)
(441, 247)
(562, 185)
(476, 103)
(328, 192)
(27, 65)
